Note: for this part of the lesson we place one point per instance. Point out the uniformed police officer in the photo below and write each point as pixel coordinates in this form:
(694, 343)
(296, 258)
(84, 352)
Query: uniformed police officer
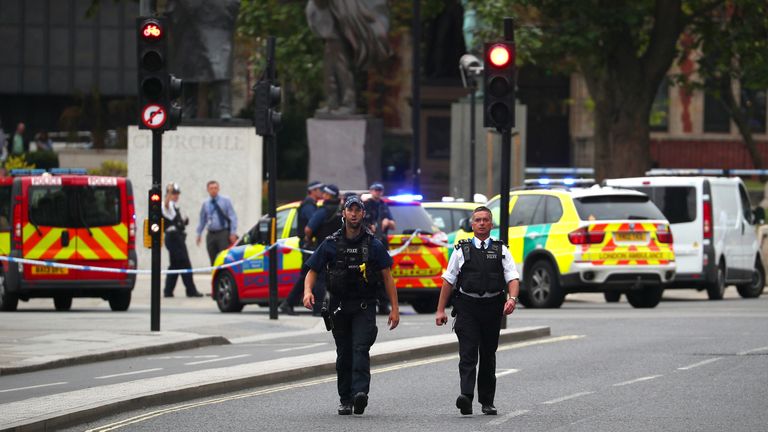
(488, 284)
(355, 263)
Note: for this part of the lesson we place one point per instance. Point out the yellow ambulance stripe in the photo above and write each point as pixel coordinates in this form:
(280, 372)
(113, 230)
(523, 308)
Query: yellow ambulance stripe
(291, 260)
(47, 241)
(65, 253)
(85, 252)
(5, 243)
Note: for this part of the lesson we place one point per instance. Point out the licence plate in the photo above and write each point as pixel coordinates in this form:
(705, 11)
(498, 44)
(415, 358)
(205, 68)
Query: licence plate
(42, 270)
(629, 236)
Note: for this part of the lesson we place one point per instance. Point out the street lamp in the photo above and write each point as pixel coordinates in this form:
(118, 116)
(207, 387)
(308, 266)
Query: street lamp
(471, 67)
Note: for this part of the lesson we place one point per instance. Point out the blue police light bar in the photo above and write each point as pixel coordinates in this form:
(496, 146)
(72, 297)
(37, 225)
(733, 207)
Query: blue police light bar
(63, 171)
(563, 182)
(406, 197)
(27, 171)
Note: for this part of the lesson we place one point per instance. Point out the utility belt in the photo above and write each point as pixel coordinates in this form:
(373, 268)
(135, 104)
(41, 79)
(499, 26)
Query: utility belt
(210, 231)
(498, 298)
(351, 305)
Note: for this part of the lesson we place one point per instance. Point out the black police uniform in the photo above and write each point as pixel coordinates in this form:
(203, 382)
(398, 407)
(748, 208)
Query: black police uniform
(353, 303)
(307, 207)
(175, 241)
(478, 320)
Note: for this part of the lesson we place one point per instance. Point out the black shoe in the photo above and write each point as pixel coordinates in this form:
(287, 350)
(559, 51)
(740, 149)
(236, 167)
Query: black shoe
(285, 308)
(345, 409)
(464, 403)
(360, 402)
(489, 409)
(168, 295)
(195, 294)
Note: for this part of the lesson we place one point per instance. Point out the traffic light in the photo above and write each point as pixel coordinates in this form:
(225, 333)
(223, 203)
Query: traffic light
(155, 212)
(499, 85)
(158, 89)
(266, 105)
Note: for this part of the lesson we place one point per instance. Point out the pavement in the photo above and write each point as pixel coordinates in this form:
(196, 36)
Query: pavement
(37, 337)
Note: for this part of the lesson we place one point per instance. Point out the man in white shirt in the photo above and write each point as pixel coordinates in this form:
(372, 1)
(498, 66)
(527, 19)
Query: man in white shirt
(487, 285)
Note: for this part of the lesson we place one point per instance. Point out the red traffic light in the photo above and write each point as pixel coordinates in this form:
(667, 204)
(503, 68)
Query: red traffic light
(499, 56)
(152, 30)
(154, 197)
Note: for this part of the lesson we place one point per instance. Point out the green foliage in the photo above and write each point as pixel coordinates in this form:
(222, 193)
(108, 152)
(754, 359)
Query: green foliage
(17, 162)
(43, 159)
(112, 168)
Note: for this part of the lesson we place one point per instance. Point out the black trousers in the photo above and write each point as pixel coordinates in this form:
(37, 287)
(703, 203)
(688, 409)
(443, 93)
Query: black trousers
(477, 327)
(354, 332)
(177, 252)
(215, 242)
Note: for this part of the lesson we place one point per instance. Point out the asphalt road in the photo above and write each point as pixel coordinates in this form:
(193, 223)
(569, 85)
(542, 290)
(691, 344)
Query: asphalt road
(686, 365)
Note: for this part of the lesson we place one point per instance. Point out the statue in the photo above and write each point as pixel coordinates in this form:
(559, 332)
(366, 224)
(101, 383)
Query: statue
(202, 35)
(355, 35)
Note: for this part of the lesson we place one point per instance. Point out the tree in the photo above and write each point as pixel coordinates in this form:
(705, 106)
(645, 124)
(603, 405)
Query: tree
(623, 48)
(733, 41)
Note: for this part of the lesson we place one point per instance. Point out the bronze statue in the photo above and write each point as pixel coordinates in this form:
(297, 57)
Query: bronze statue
(355, 36)
(202, 34)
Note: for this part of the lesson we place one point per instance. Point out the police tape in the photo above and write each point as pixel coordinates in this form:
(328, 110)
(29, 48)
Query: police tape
(280, 244)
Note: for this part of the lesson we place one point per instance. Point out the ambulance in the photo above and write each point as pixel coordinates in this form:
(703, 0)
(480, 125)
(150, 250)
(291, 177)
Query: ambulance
(65, 216)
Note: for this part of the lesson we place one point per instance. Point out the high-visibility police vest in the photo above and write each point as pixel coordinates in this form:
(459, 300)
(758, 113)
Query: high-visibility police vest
(345, 278)
(482, 271)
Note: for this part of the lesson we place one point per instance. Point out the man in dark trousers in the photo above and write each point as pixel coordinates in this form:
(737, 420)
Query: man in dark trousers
(325, 221)
(379, 220)
(486, 284)
(175, 242)
(355, 263)
(307, 208)
(218, 215)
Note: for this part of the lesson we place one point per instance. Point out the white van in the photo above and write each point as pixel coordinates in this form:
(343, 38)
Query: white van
(714, 231)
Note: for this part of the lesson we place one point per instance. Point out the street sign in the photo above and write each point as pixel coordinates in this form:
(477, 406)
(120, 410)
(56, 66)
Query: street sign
(153, 116)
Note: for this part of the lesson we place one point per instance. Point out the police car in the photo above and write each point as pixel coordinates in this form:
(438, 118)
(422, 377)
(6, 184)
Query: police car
(570, 238)
(418, 264)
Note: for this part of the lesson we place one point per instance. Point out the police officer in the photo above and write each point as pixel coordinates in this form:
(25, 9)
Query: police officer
(307, 208)
(487, 285)
(355, 263)
(325, 221)
(175, 242)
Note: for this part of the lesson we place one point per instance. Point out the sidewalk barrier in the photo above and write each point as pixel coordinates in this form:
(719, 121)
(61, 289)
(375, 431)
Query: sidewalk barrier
(280, 244)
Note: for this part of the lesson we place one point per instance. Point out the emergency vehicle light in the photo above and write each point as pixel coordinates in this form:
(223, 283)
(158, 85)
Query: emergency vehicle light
(63, 171)
(406, 197)
(27, 171)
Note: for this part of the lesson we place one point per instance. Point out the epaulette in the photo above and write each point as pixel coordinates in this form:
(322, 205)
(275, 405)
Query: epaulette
(462, 242)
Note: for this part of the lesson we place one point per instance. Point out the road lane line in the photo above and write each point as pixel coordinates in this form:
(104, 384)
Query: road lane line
(216, 360)
(634, 381)
(701, 363)
(33, 387)
(565, 398)
(509, 416)
(183, 357)
(158, 413)
(506, 372)
(752, 350)
(128, 373)
(302, 347)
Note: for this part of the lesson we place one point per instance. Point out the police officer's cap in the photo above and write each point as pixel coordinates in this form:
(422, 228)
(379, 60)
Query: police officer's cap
(376, 186)
(314, 185)
(331, 189)
(173, 188)
(353, 200)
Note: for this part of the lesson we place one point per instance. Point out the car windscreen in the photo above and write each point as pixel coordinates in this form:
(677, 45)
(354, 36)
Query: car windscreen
(74, 206)
(678, 203)
(409, 218)
(613, 207)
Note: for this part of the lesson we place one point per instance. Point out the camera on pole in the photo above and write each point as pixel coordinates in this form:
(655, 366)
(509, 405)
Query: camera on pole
(158, 89)
(499, 85)
(266, 108)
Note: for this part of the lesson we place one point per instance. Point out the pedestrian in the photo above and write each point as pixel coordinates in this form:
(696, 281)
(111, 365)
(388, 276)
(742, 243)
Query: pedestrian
(484, 283)
(355, 263)
(325, 221)
(379, 220)
(3, 143)
(176, 243)
(18, 147)
(307, 208)
(218, 215)
(43, 142)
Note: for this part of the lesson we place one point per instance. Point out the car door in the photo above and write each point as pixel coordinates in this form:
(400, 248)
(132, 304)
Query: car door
(520, 219)
(748, 233)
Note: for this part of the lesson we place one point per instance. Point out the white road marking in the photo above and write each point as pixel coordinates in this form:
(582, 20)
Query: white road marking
(503, 419)
(32, 387)
(648, 378)
(128, 373)
(301, 347)
(183, 357)
(216, 360)
(752, 350)
(565, 398)
(506, 372)
(701, 363)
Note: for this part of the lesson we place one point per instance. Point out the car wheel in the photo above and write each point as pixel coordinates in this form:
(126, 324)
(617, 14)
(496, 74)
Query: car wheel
(62, 303)
(542, 287)
(756, 286)
(647, 297)
(226, 294)
(120, 301)
(8, 302)
(716, 290)
(425, 306)
(612, 296)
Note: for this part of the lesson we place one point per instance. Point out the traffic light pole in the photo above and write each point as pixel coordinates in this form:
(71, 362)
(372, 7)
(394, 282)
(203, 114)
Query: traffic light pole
(271, 143)
(506, 154)
(157, 166)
